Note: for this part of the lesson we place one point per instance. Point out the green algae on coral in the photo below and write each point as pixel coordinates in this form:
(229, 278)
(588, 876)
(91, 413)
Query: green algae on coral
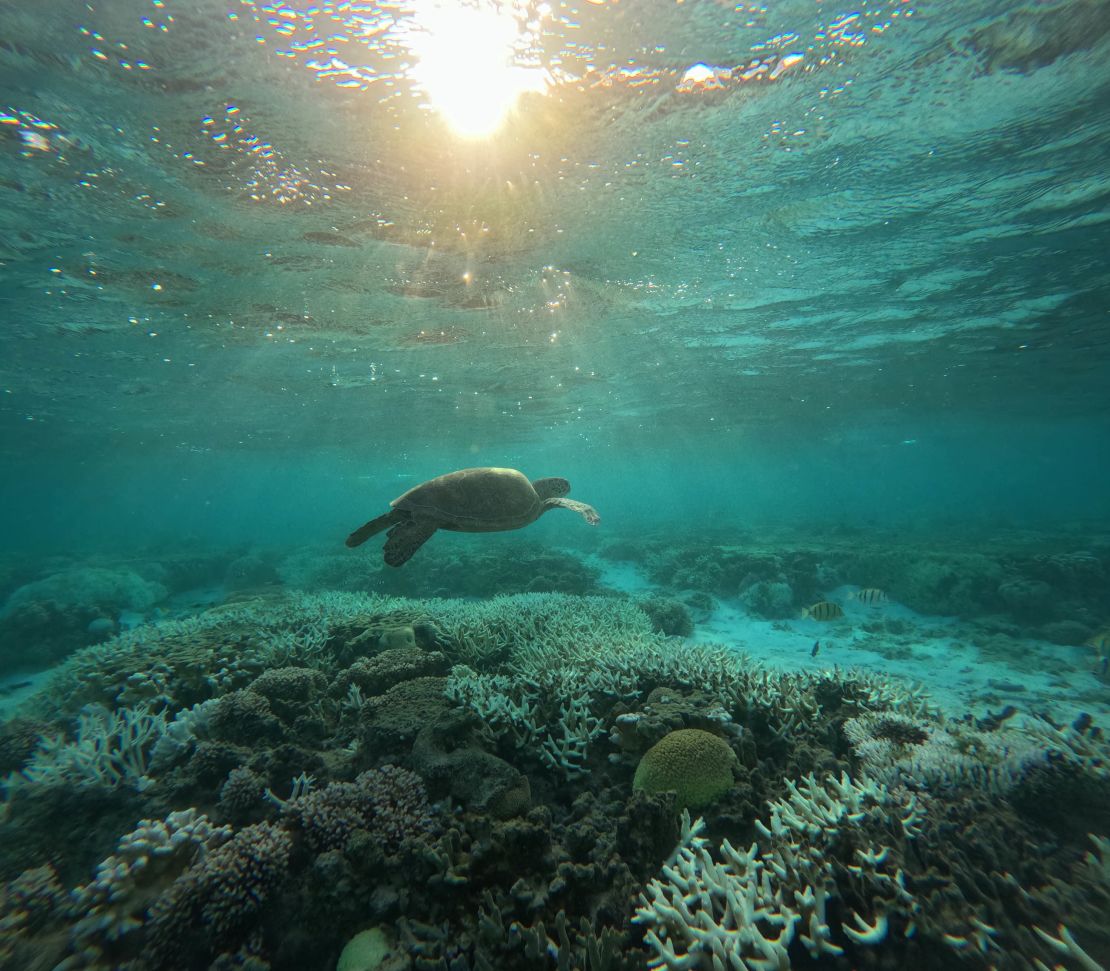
(694, 764)
(365, 951)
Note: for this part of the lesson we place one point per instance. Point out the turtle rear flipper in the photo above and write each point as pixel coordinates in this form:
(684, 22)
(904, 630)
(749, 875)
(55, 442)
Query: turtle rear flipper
(364, 532)
(405, 539)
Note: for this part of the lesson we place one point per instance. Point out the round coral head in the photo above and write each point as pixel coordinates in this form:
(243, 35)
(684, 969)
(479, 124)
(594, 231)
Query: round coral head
(694, 764)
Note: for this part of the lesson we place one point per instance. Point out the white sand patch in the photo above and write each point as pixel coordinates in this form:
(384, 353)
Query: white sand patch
(17, 688)
(892, 639)
(934, 651)
(620, 575)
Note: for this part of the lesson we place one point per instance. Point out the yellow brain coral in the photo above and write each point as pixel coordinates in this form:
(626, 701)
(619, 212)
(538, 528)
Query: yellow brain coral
(695, 764)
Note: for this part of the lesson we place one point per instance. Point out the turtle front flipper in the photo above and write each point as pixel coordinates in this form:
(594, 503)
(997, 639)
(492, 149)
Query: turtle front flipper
(405, 539)
(586, 511)
(364, 532)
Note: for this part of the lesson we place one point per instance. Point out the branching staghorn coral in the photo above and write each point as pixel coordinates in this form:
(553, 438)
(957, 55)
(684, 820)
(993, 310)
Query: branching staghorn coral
(1067, 946)
(502, 702)
(742, 909)
(556, 643)
(301, 641)
(508, 708)
(111, 749)
(589, 652)
(931, 752)
(525, 631)
(1086, 747)
(565, 749)
(1099, 860)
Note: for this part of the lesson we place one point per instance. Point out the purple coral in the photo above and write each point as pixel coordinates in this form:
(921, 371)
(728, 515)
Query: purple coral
(236, 878)
(30, 900)
(289, 689)
(222, 891)
(390, 803)
(244, 716)
(241, 791)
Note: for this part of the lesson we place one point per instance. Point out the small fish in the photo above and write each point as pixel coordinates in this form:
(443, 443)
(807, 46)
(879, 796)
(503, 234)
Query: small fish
(14, 686)
(872, 596)
(824, 610)
(816, 648)
(1103, 666)
(329, 239)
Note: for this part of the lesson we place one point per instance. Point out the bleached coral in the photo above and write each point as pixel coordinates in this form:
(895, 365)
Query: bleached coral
(565, 749)
(932, 753)
(298, 643)
(742, 909)
(1088, 748)
(509, 707)
(501, 701)
(936, 752)
(1066, 946)
(816, 811)
(1099, 860)
(115, 902)
(110, 749)
(181, 732)
(547, 650)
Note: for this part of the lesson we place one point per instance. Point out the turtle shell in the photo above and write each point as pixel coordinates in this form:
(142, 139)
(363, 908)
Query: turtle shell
(474, 500)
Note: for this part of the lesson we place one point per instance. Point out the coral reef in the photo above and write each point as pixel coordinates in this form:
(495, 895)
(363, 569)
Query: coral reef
(772, 599)
(750, 906)
(49, 618)
(668, 616)
(389, 804)
(507, 783)
(475, 572)
(214, 901)
(1044, 590)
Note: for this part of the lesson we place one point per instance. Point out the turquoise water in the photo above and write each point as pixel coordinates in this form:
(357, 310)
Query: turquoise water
(805, 300)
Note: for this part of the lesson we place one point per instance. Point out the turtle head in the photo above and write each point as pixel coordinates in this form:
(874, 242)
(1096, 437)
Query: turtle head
(551, 488)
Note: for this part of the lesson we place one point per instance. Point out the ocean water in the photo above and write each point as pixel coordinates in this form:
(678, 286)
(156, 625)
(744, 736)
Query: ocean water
(808, 302)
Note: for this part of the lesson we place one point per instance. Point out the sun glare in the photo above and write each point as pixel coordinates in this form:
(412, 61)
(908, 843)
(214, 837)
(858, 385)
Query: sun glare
(466, 64)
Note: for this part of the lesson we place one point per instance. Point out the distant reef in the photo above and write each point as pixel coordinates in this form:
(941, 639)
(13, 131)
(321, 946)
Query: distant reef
(1053, 588)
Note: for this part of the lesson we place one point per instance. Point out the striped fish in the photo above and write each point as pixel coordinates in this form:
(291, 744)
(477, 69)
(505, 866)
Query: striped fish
(872, 596)
(1100, 642)
(824, 610)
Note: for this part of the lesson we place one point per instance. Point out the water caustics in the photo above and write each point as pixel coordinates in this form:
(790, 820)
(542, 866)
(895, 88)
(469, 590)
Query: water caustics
(814, 209)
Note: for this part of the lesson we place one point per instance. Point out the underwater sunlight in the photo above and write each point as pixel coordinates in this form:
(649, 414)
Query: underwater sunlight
(554, 485)
(465, 63)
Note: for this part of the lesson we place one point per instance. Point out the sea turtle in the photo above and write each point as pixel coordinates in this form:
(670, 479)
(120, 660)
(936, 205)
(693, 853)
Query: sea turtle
(482, 500)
